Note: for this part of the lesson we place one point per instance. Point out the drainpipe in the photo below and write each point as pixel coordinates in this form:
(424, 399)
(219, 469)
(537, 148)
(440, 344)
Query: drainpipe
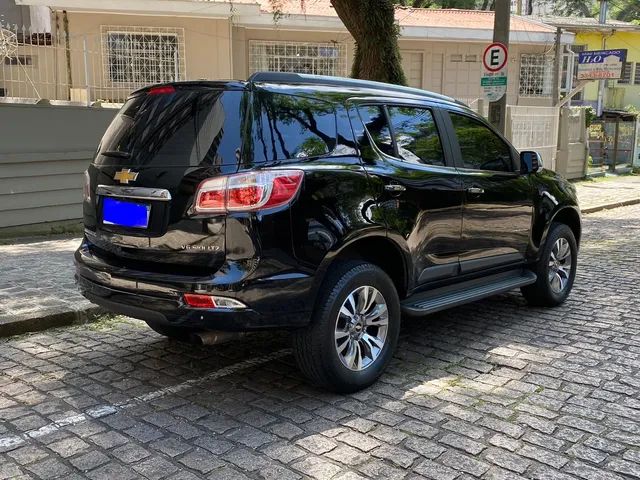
(604, 6)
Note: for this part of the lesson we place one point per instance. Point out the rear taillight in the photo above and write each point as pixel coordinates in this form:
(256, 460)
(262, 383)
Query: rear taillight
(248, 192)
(198, 300)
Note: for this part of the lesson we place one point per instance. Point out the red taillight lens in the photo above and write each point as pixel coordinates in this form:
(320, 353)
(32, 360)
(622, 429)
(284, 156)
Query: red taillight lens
(284, 188)
(248, 191)
(199, 301)
(165, 90)
(245, 196)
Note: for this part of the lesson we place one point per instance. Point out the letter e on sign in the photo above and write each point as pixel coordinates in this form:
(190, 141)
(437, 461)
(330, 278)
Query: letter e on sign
(495, 57)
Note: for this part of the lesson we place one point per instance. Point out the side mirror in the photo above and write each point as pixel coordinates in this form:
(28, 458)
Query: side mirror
(530, 162)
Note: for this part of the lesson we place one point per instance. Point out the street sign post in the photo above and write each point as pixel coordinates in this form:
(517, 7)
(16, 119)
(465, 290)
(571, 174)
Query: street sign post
(601, 64)
(494, 77)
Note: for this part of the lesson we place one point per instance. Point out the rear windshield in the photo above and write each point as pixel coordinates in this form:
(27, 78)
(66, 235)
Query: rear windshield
(187, 128)
(291, 127)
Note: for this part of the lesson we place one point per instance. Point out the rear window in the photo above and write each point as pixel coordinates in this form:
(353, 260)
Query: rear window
(186, 128)
(290, 127)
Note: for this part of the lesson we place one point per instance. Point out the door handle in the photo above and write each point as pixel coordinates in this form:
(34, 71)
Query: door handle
(395, 188)
(475, 191)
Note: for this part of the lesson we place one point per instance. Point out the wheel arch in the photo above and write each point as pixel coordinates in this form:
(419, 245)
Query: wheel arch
(569, 216)
(377, 249)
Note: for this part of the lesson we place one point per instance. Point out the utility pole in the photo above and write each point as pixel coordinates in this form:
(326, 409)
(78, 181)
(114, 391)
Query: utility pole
(604, 7)
(557, 68)
(501, 27)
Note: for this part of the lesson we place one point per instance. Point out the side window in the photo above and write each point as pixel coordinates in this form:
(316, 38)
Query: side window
(480, 147)
(416, 135)
(287, 127)
(375, 121)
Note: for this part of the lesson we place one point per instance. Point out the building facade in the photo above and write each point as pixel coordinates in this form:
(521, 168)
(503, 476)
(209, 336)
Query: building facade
(103, 49)
(614, 35)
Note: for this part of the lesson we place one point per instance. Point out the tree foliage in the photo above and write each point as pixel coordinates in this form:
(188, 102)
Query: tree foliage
(624, 10)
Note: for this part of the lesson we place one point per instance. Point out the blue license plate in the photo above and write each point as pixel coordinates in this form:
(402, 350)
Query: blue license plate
(124, 213)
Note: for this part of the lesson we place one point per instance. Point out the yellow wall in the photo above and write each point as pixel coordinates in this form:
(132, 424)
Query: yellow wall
(622, 95)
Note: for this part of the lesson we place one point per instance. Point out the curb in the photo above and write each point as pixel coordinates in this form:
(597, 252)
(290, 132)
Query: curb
(19, 326)
(609, 206)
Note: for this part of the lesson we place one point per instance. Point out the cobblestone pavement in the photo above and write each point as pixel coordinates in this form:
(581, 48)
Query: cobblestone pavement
(37, 279)
(609, 191)
(493, 390)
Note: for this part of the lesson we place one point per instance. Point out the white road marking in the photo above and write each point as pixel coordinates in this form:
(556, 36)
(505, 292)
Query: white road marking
(13, 441)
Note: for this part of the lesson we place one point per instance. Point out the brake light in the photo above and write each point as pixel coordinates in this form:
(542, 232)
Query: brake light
(198, 300)
(247, 192)
(164, 90)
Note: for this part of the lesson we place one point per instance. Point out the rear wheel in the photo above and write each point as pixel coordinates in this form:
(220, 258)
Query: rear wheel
(354, 329)
(556, 269)
(181, 334)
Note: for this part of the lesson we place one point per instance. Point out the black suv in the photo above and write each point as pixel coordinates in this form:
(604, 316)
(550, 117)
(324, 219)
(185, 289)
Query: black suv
(327, 206)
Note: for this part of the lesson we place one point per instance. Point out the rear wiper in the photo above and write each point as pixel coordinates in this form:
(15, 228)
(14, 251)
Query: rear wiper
(116, 154)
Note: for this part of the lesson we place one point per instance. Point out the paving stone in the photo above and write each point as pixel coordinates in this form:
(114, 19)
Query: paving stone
(89, 461)
(463, 463)
(506, 459)
(435, 471)
(495, 390)
(156, 467)
(112, 471)
(317, 468)
(283, 452)
(398, 456)
(317, 444)
(201, 460)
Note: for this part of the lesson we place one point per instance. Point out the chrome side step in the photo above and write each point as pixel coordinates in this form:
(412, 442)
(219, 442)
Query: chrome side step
(438, 299)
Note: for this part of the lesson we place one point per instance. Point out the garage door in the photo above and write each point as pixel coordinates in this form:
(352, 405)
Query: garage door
(412, 66)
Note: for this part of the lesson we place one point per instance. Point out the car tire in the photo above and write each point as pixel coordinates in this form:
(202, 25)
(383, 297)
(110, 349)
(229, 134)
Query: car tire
(556, 269)
(354, 329)
(181, 334)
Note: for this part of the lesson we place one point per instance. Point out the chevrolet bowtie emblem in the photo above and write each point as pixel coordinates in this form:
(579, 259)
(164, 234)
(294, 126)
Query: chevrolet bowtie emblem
(125, 176)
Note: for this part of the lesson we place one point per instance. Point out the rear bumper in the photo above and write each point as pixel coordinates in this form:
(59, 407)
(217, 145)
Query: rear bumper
(275, 302)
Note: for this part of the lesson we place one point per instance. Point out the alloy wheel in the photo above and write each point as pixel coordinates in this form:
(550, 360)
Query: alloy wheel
(560, 265)
(361, 328)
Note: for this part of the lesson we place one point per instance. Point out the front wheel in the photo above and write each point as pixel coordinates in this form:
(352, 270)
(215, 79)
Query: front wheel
(354, 329)
(556, 269)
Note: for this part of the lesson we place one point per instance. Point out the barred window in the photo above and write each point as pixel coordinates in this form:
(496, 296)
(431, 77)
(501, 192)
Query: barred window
(536, 75)
(298, 57)
(636, 80)
(138, 56)
(627, 70)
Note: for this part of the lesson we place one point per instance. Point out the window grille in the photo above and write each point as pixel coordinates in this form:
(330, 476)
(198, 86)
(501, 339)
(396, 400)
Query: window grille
(138, 56)
(298, 57)
(627, 70)
(536, 75)
(636, 80)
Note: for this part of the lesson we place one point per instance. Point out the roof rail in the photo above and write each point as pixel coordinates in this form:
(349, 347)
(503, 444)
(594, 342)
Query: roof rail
(303, 78)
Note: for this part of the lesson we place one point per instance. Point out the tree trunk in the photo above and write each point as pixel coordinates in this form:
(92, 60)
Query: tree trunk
(372, 25)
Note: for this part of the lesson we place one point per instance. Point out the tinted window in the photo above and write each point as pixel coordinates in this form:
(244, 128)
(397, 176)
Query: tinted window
(188, 127)
(481, 148)
(416, 135)
(287, 127)
(375, 121)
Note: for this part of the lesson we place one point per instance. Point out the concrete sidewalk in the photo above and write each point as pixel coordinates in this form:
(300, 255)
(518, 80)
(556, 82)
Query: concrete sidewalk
(609, 192)
(37, 289)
